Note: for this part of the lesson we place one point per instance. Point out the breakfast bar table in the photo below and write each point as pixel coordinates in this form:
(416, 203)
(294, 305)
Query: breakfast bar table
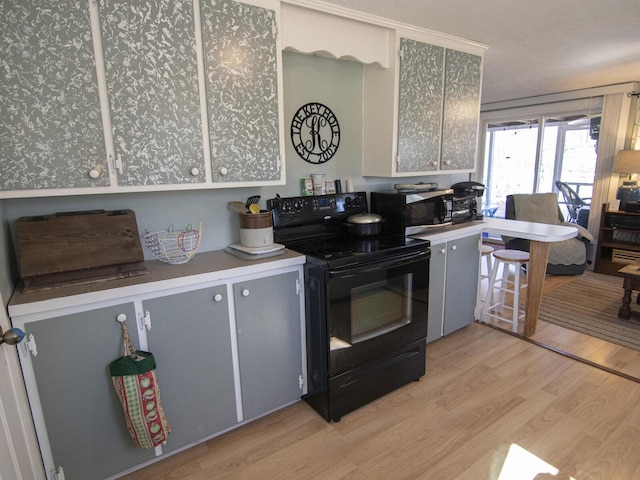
(540, 235)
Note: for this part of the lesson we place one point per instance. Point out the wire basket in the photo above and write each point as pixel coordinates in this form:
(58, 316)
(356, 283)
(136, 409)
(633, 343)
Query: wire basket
(174, 247)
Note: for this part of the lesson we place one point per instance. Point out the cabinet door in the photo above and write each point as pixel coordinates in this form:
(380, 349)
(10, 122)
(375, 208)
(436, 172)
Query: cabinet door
(461, 110)
(461, 283)
(78, 414)
(419, 106)
(269, 342)
(50, 122)
(241, 63)
(152, 81)
(437, 268)
(190, 340)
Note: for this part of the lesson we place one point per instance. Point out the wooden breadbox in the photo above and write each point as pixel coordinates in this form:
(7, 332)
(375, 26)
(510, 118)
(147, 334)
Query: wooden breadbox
(78, 247)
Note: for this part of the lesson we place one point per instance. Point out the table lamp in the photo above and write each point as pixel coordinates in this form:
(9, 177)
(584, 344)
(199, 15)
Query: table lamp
(628, 162)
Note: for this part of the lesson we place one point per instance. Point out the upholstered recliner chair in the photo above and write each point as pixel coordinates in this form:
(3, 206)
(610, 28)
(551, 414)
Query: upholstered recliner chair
(568, 257)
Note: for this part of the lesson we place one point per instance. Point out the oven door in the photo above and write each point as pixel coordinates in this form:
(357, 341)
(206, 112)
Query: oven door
(376, 308)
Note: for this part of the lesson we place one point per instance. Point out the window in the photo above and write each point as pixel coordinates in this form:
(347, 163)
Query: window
(528, 155)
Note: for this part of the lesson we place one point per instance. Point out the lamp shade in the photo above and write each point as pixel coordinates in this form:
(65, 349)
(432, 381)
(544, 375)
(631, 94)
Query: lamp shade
(627, 161)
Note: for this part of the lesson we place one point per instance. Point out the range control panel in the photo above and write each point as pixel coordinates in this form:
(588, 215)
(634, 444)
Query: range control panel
(317, 209)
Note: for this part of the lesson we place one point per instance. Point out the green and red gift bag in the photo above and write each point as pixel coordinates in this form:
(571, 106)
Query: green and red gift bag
(134, 379)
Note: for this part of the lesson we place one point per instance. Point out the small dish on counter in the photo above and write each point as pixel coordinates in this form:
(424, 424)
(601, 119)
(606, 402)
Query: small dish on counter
(257, 250)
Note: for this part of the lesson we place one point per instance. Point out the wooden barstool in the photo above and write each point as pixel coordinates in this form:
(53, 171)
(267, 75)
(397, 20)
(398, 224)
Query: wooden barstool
(485, 253)
(506, 258)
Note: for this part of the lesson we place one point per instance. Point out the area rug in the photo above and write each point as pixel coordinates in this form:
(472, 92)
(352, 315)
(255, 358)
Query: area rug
(589, 304)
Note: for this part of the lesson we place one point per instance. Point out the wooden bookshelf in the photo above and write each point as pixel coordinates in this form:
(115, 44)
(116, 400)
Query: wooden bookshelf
(618, 241)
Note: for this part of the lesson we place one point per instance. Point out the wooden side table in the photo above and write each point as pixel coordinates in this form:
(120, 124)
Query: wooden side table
(631, 275)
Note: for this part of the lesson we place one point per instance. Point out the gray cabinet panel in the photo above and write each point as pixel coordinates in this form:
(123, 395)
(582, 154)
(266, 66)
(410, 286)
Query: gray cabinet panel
(453, 284)
(83, 416)
(242, 90)
(190, 340)
(420, 106)
(152, 81)
(461, 283)
(269, 342)
(461, 110)
(50, 121)
(437, 268)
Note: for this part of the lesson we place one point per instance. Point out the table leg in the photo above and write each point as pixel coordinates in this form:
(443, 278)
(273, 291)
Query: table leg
(625, 309)
(538, 256)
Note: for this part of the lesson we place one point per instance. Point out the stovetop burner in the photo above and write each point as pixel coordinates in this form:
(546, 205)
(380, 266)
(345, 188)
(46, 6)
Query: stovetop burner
(330, 251)
(346, 250)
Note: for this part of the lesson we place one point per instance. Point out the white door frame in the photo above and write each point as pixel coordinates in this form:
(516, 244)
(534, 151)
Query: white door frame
(19, 451)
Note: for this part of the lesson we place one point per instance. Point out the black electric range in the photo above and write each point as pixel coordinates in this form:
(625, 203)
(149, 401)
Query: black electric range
(366, 302)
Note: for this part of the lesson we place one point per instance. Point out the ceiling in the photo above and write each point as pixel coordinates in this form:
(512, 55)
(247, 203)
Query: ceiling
(535, 47)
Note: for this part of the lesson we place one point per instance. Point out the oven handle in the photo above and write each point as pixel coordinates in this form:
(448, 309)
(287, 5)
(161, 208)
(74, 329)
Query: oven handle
(378, 266)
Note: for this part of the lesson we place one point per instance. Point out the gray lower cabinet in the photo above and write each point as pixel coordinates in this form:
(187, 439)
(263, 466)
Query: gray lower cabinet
(191, 341)
(225, 353)
(437, 269)
(78, 417)
(269, 342)
(453, 284)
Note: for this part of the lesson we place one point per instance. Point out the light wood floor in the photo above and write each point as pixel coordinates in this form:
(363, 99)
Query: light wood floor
(608, 355)
(483, 392)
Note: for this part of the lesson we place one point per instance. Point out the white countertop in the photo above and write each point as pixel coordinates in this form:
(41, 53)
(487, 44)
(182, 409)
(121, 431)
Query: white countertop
(541, 232)
(205, 267)
(220, 266)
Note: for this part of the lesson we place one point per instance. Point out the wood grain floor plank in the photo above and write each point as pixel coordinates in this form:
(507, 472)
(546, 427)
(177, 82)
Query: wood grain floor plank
(484, 391)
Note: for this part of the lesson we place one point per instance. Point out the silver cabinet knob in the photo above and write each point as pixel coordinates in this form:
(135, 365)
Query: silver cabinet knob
(245, 292)
(121, 318)
(223, 170)
(195, 171)
(443, 251)
(454, 248)
(217, 297)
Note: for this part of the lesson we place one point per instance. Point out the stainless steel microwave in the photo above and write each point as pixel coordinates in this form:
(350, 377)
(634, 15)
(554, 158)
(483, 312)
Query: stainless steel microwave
(411, 213)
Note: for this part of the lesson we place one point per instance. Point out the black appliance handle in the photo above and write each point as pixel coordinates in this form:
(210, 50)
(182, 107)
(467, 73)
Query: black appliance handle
(376, 266)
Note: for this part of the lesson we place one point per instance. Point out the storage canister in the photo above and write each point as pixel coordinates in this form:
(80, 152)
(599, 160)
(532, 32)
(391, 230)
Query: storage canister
(256, 229)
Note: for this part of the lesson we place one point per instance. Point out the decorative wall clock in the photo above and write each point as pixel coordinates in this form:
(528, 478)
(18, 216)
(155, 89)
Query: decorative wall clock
(315, 133)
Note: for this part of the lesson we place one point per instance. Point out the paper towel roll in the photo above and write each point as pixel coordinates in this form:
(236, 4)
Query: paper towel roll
(349, 186)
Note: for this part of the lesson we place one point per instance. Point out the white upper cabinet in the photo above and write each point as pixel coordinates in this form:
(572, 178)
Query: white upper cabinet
(420, 100)
(113, 95)
(152, 84)
(50, 120)
(463, 73)
(241, 59)
(421, 114)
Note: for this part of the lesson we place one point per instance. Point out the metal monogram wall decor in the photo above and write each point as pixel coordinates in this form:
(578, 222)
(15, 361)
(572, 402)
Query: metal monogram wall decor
(315, 133)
